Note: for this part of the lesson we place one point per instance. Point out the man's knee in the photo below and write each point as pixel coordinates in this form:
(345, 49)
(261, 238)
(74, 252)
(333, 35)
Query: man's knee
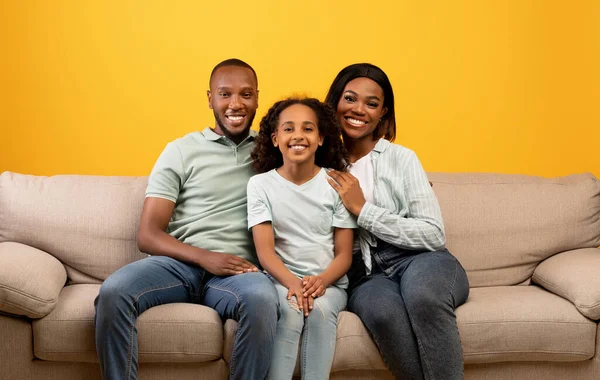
(112, 292)
(259, 294)
(119, 287)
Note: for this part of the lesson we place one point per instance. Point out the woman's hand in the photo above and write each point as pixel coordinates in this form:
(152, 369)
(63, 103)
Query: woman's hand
(349, 190)
(313, 286)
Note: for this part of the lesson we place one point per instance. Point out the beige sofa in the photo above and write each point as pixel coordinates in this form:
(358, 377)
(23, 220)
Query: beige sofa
(528, 244)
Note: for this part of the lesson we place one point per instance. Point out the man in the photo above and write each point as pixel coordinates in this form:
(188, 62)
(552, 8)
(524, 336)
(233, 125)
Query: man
(194, 226)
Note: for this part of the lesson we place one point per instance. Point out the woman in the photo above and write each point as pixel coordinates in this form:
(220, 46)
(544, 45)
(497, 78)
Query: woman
(407, 285)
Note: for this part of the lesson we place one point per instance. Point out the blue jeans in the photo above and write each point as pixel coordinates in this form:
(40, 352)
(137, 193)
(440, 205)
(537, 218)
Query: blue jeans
(407, 303)
(249, 298)
(318, 332)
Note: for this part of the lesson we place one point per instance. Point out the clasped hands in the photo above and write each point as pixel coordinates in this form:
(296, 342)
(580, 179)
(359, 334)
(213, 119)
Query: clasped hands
(306, 290)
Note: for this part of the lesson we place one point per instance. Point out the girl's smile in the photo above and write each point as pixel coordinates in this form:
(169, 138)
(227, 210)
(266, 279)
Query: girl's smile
(297, 135)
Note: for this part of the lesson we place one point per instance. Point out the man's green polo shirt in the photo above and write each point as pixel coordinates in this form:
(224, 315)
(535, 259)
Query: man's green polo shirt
(206, 175)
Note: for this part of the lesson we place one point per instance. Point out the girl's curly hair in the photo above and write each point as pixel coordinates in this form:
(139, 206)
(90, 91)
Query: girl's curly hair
(332, 154)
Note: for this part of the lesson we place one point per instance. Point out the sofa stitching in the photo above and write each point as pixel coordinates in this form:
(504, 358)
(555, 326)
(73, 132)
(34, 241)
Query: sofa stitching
(140, 353)
(580, 353)
(591, 324)
(165, 322)
(18, 306)
(22, 293)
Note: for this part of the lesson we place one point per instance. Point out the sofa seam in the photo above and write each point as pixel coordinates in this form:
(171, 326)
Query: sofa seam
(528, 322)
(139, 353)
(156, 323)
(581, 353)
(36, 312)
(22, 293)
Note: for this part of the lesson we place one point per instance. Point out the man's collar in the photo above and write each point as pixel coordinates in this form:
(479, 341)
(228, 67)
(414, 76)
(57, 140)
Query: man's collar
(210, 134)
(214, 136)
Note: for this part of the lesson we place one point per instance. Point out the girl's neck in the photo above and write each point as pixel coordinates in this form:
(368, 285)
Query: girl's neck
(298, 173)
(358, 148)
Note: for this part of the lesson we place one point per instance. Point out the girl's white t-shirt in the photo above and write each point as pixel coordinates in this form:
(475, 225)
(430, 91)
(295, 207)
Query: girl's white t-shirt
(362, 169)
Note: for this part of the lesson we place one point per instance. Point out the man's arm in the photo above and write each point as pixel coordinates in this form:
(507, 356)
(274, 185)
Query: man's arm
(153, 239)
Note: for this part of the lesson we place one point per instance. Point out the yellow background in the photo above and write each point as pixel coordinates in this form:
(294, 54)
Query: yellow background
(99, 87)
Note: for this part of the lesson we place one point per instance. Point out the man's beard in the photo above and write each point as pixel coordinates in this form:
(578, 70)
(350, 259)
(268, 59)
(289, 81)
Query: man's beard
(234, 137)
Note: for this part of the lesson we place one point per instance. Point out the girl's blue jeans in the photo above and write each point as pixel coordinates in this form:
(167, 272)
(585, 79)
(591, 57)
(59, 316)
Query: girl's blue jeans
(318, 332)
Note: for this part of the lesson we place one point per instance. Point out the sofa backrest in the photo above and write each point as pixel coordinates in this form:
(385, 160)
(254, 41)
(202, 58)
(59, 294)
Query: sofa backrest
(89, 223)
(501, 226)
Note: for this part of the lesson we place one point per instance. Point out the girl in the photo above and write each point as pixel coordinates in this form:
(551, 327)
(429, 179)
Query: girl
(405, 270)
(302, 231)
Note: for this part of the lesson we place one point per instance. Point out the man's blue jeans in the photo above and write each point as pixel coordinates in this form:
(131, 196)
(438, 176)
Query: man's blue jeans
(407, 303)
(249, 298)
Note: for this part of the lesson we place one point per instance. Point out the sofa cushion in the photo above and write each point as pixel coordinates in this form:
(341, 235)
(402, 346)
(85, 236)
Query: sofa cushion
(30, 280)
(89, 223)
(496, 324)
(523, 323)
(501, 226)
(354, 348)
(574, 275)
(168, 333)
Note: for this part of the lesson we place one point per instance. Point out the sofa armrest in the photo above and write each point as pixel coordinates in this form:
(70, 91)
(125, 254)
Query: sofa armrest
(573, 275)
(30, 280)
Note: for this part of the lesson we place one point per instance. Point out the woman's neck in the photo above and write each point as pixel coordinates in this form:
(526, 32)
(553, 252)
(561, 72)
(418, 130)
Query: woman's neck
(358, 148)
(298, 173)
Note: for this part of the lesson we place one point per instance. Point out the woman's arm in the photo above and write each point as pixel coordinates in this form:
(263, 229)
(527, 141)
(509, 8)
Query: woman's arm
(421, 228)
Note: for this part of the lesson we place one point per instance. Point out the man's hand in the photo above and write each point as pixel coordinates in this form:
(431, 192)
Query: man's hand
(295, 290)
(349, 190)
(225, 264)
(313, 286)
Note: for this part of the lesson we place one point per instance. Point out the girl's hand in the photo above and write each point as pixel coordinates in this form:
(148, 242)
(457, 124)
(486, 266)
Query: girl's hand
(313, 286)
(349, 190)
(296, 291)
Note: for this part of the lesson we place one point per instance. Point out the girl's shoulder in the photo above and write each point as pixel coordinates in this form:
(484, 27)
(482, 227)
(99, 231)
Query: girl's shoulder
(261, 178)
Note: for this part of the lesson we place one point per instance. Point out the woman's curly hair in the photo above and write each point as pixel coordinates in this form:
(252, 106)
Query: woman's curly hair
(332, 154)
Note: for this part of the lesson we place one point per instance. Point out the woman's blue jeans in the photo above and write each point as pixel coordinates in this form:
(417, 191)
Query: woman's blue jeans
(407, 303)
(248, 298)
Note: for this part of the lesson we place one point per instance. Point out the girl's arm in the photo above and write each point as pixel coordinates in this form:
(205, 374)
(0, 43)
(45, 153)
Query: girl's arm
(264, 240)
(315, 286)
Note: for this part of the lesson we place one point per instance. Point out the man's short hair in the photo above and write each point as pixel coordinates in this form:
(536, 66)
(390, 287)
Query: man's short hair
(232, 62)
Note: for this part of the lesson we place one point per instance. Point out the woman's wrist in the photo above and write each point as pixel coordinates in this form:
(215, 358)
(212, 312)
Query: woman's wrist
(356, 209)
